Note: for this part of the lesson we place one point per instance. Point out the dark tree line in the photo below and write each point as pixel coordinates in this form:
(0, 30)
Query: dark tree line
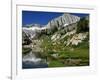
(83, 25)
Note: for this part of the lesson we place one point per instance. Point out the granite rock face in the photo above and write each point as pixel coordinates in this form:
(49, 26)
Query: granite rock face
(63, 21)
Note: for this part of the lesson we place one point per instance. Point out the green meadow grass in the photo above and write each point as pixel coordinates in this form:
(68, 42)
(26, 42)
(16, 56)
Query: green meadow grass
(65, 54)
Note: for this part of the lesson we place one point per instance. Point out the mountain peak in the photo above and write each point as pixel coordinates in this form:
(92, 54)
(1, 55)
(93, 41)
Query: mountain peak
(33, 25)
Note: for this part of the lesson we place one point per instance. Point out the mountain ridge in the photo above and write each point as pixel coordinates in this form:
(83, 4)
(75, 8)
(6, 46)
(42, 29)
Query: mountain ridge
(57, 23)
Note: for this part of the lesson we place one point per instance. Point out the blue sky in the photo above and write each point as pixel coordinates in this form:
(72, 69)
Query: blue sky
(42, 18)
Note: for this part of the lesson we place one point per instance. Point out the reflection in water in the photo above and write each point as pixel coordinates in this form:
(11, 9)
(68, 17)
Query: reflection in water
(31, 61)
